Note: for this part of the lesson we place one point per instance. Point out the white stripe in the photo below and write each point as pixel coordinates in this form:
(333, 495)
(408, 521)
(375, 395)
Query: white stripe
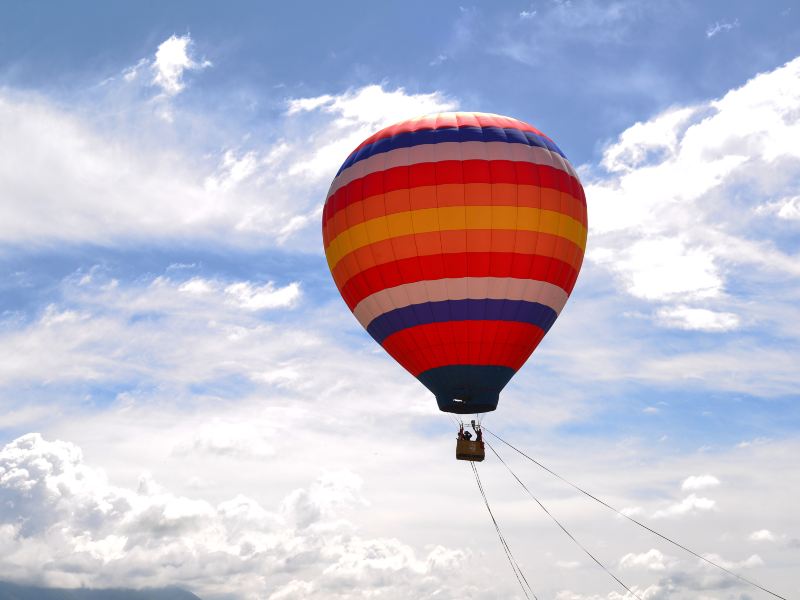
(404, 157)
(463, 288)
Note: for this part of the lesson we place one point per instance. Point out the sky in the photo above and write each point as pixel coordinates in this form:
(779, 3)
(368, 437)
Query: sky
(186, 400)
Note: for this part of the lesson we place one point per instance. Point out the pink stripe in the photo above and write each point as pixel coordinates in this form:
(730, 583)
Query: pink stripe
(476, 288)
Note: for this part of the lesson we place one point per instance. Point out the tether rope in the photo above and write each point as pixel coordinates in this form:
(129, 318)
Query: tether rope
(639, 523)
(509, 555)
(564, 529)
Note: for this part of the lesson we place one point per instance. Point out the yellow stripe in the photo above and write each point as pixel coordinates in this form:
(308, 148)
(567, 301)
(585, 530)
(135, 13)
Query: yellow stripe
(450, 218)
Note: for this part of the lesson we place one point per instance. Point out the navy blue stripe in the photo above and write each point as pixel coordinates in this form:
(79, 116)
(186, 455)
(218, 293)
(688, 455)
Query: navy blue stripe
(450, 134)
(461, 310)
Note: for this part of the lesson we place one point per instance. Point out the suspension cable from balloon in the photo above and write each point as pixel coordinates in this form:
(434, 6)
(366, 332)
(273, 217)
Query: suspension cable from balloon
(506, 548)
(564, 529)
(639, 523)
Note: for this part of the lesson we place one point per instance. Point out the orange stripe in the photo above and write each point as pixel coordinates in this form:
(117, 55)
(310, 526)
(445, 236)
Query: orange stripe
(452, 242)
(454, 218)
(453, 194)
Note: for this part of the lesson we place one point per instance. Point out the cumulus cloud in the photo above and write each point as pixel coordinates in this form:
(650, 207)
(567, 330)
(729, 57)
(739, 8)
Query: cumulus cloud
(699, 482)
(754, 560)
(357, 114)
(698, 319)
(689, 505)
(762, 535)
(222, 437)
(164, 329)
(253, 297)
(787, 208)
(90, 532)
(652, 560)
(172, 60)
(164, 72)
(244, 294)
(663, 269)
(671, 217)
(112, 190)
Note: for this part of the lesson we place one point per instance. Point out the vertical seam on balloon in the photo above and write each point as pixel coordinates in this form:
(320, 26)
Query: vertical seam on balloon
(516, 229)
(350, 242)
(441, 347)
(421, 351)
(563, 201)
(579, 252)
(516, 309)
(433, 335)
(553, 268)
(538, 237)
(493, 343)
(417, 308)
(482, 330)
(465, 232)
(400, 315)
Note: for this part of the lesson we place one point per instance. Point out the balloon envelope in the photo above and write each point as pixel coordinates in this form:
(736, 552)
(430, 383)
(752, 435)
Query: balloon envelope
(455, 239)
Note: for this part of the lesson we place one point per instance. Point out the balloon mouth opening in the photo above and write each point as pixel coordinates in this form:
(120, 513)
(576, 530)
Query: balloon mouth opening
(469, 404)
(466, 389)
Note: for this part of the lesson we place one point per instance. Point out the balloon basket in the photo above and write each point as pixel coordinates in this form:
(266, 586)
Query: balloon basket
(471, 450)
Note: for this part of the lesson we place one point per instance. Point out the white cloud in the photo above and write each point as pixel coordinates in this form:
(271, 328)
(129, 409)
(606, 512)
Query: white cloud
(535, 35)
(787, 208)
(172, 59)
(227, 438)
(699, 482)
(356, 115)
(373, 106)
(197, 286)
(156, 329)
(689, 505)
(762, 535)
(652, 560)
(671, 217)
(663, 269)
(297, 105)
(90, 532)
(114, 186)
(701, 319)
(721, 27)
(131, 73)
(253, 297)
(754, 442)
(648, 142)
(632, 511)
(232, 170)
(294, 590)
(754, 560)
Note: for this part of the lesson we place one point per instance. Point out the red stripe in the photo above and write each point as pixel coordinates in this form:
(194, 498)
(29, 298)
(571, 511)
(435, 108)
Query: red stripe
(448, 172)
(446, 120)
(500, 343)
(463, 264)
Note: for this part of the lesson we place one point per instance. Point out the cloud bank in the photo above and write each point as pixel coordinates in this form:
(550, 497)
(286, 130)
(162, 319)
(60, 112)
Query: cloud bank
(90, 532)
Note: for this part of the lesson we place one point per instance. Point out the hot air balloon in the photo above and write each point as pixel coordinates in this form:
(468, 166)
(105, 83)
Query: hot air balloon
(455, 239)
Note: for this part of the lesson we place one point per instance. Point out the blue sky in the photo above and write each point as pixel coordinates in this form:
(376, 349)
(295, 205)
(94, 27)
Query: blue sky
(184, 398)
